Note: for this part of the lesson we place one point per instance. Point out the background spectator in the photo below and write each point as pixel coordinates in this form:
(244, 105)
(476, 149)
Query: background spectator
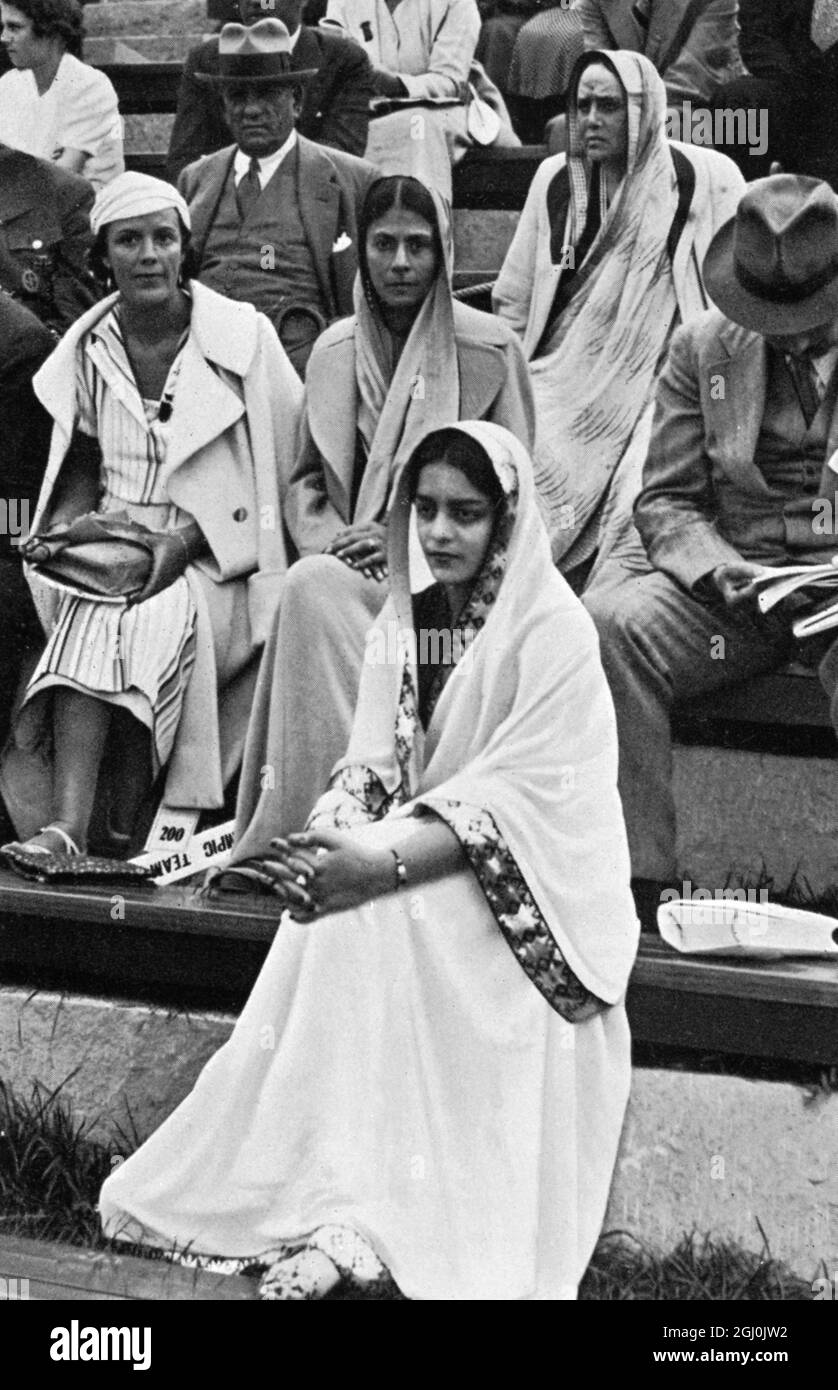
(45, 237)
(602, 268)
(545, 54)
(423, 53)
(52, 104)
(794, 79)
(335, 98)
(25, 431)
(274, 216)
(410, 358)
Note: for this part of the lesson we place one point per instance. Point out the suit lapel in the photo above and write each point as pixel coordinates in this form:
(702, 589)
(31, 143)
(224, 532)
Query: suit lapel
(210, 187)
(318, 198)
(737, 384)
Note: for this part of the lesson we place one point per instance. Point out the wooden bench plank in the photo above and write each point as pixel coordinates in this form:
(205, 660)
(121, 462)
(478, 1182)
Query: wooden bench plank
(173, 947)
(145, 89)
(793, 697)
(58, 1271)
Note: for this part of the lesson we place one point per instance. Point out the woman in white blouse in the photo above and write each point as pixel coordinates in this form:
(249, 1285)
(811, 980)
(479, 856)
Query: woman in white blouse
(52, 104)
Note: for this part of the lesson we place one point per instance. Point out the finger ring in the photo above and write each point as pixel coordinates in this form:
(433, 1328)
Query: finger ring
(301, 880)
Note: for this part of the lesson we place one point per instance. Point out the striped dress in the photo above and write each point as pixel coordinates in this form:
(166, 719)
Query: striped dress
(139, 657)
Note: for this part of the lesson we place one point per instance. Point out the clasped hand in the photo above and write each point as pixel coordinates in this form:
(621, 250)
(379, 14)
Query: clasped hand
(169, 553)
(362, 547)
(322, 871)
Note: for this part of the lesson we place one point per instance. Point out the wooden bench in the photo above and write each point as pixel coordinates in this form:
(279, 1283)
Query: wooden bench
(43, 1270)
(169, 944)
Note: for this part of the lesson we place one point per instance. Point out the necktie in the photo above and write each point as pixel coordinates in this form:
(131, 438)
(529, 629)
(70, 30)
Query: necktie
(248, 189)
(810, 389)
(825, 23)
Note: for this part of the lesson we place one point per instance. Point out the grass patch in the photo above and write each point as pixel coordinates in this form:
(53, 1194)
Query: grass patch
(51, 1170)
(699, 1269)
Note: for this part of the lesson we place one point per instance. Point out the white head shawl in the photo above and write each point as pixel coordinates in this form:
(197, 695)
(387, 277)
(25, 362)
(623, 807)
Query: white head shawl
(523, 731)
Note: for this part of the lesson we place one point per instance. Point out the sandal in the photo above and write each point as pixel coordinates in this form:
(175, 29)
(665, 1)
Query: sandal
(358, 1270)
(69, 846)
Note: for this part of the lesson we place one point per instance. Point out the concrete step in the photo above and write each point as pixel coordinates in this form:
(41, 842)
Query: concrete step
(728, 1157)
(741, 812)
(158, 48)
(146, 17)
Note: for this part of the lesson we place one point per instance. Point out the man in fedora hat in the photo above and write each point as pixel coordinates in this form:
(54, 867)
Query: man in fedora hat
(335, 101)
(274, 216)
(740, 465)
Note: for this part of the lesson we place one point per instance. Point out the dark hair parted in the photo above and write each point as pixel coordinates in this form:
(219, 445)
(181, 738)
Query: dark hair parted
(394, 191)
(97, 257)
(63, 19)
(459, 451)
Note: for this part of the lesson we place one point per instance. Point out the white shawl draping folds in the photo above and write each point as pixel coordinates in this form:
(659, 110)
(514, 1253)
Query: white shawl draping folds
(398, 405)
(523, 733)
(596, 375)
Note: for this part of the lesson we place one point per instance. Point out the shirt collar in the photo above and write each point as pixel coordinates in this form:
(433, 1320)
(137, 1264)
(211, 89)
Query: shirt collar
(268, 165)
(825, 365)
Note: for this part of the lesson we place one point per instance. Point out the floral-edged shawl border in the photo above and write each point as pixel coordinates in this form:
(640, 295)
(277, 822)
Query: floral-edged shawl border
(516, 911)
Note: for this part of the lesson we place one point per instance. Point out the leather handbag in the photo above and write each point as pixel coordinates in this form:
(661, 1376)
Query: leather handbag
(98, 556)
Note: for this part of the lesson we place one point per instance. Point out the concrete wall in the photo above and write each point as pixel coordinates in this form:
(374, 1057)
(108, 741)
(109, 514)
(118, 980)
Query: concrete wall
(714, 1154)
(736, 810)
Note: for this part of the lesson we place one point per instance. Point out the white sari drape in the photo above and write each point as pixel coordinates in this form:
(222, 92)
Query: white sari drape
(596, 376)
(395, 1071)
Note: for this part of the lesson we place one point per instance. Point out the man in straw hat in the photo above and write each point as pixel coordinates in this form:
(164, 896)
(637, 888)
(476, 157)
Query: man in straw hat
(274, 216)
(336, 99)
(740, 473)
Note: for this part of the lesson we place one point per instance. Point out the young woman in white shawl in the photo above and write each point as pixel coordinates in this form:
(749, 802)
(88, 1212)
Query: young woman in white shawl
(604, 265)
(410, 359)
(429, 1079)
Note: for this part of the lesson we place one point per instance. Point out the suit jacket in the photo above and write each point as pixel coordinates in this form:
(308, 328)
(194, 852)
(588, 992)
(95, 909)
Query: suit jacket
(776, 43)
(704, 500)
(691, 58)
(40, 203)
(330, 189)
(526, 287)
(335, 107)
(494, 385)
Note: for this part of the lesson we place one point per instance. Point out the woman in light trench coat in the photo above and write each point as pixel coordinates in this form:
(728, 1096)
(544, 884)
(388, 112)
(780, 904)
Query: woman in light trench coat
(194, 408)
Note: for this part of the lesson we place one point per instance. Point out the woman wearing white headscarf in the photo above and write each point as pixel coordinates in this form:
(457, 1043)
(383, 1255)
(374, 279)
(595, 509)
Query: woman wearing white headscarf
(409, 359)
(430, 1079)
(176, 409)
(604, 264)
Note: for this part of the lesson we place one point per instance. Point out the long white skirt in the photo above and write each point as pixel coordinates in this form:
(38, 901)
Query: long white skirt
(394, 1071)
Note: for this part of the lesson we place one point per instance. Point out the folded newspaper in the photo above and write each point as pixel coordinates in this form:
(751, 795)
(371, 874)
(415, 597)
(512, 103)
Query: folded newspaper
(776, 583)
(729, 927)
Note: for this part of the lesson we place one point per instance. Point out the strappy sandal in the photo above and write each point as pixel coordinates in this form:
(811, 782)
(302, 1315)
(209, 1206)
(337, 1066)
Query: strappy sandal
(359, 1271)
(71, 849)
